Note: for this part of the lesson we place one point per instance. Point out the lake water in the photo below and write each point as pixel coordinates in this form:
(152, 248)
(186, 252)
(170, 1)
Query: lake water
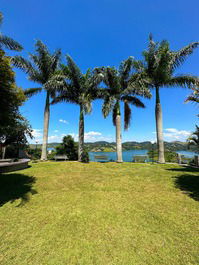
(128, 155)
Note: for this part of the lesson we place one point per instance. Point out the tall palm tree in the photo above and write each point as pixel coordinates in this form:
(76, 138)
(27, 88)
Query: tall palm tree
(158, 70)
(41, 68)
(194, 139)
(119, 90)
(77, 88)
(8, 42)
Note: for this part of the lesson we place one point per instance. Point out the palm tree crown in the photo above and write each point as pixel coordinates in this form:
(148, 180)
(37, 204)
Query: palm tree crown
(41, 67)
(119, 89)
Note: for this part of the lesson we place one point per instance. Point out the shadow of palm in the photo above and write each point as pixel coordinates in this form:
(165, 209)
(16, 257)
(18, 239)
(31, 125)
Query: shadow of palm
(16, 186)
(189, 184)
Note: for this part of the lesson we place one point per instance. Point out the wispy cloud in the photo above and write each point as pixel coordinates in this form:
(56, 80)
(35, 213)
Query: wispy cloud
(93, 136)
(173, 134)
(63, 121)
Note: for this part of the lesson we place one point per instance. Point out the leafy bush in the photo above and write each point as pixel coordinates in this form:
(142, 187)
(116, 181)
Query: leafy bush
(51, 155)
(170, 156)
(34, 153)
(85, 156)
(68, 147)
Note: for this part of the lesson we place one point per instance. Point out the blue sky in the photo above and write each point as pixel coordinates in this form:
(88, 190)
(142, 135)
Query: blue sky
(102, 33)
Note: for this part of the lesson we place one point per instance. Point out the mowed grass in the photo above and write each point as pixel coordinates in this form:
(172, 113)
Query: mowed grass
(57, 213)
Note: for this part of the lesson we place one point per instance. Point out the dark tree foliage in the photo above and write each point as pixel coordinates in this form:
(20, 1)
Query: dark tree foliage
(13, 127)
(68, 147)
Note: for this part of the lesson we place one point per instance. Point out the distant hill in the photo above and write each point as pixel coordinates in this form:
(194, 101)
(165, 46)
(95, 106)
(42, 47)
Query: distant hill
(103, 146)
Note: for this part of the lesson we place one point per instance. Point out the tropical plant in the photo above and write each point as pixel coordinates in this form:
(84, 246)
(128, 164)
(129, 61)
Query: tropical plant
(119, 90)
(41, 68)
(76, 88)
(157, 70)
(8, 42)
(194, 139)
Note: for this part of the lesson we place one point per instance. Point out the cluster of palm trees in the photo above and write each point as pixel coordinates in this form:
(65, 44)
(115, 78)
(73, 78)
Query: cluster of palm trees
(133, 79)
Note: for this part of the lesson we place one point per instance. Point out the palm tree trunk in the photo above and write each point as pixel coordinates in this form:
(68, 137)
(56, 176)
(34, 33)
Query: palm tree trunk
(3, 152)
(81, 134)
(118, 135)
(46, 126)
(159, 130)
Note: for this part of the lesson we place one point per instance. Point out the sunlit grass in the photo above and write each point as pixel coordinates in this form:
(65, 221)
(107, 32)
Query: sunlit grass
(99, 213)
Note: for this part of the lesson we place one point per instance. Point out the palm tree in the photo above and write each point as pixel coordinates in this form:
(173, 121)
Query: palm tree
(194, 138)
(157, 70)
(77, 88)
(8, 42)
(118, 90)
(41, 68)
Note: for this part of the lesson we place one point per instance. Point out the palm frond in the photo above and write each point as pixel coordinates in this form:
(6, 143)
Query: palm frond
(56, 82)
(32, 91)
(64, 97)
(111, 79)
(183, 81)
(138, 65)
(23, 64)
(192, 98)
(74, 72)
(55, 59)
(180, 56)
(127, 115)
(9, 43)
(125, 69)
(1, 18)
(108, 105)
(133, 100)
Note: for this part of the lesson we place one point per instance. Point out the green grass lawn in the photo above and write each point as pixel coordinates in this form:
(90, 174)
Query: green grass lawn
(57, 213)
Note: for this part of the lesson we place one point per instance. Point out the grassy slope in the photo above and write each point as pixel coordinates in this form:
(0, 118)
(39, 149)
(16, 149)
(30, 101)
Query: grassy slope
(100, 213)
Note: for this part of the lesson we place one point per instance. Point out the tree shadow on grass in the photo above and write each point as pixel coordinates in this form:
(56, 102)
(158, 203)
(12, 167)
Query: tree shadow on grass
(189, 184)
(184, 169)
(16, 186)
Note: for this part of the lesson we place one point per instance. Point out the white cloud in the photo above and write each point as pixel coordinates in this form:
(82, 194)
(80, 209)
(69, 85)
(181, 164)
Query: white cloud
(173, 134)
(178, 132)
(56, 131)
(93, 137)
(92, 133)
(37, 133)
(63, 121)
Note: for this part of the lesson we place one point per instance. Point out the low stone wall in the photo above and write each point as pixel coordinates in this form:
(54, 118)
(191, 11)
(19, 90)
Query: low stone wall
(13, 166)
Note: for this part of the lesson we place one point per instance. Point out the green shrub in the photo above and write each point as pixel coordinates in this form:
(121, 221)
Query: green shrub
(85, 156)
(68, 147)
(170, 156)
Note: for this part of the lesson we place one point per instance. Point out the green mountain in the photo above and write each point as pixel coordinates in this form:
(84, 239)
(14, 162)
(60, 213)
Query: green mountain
(103, 146)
